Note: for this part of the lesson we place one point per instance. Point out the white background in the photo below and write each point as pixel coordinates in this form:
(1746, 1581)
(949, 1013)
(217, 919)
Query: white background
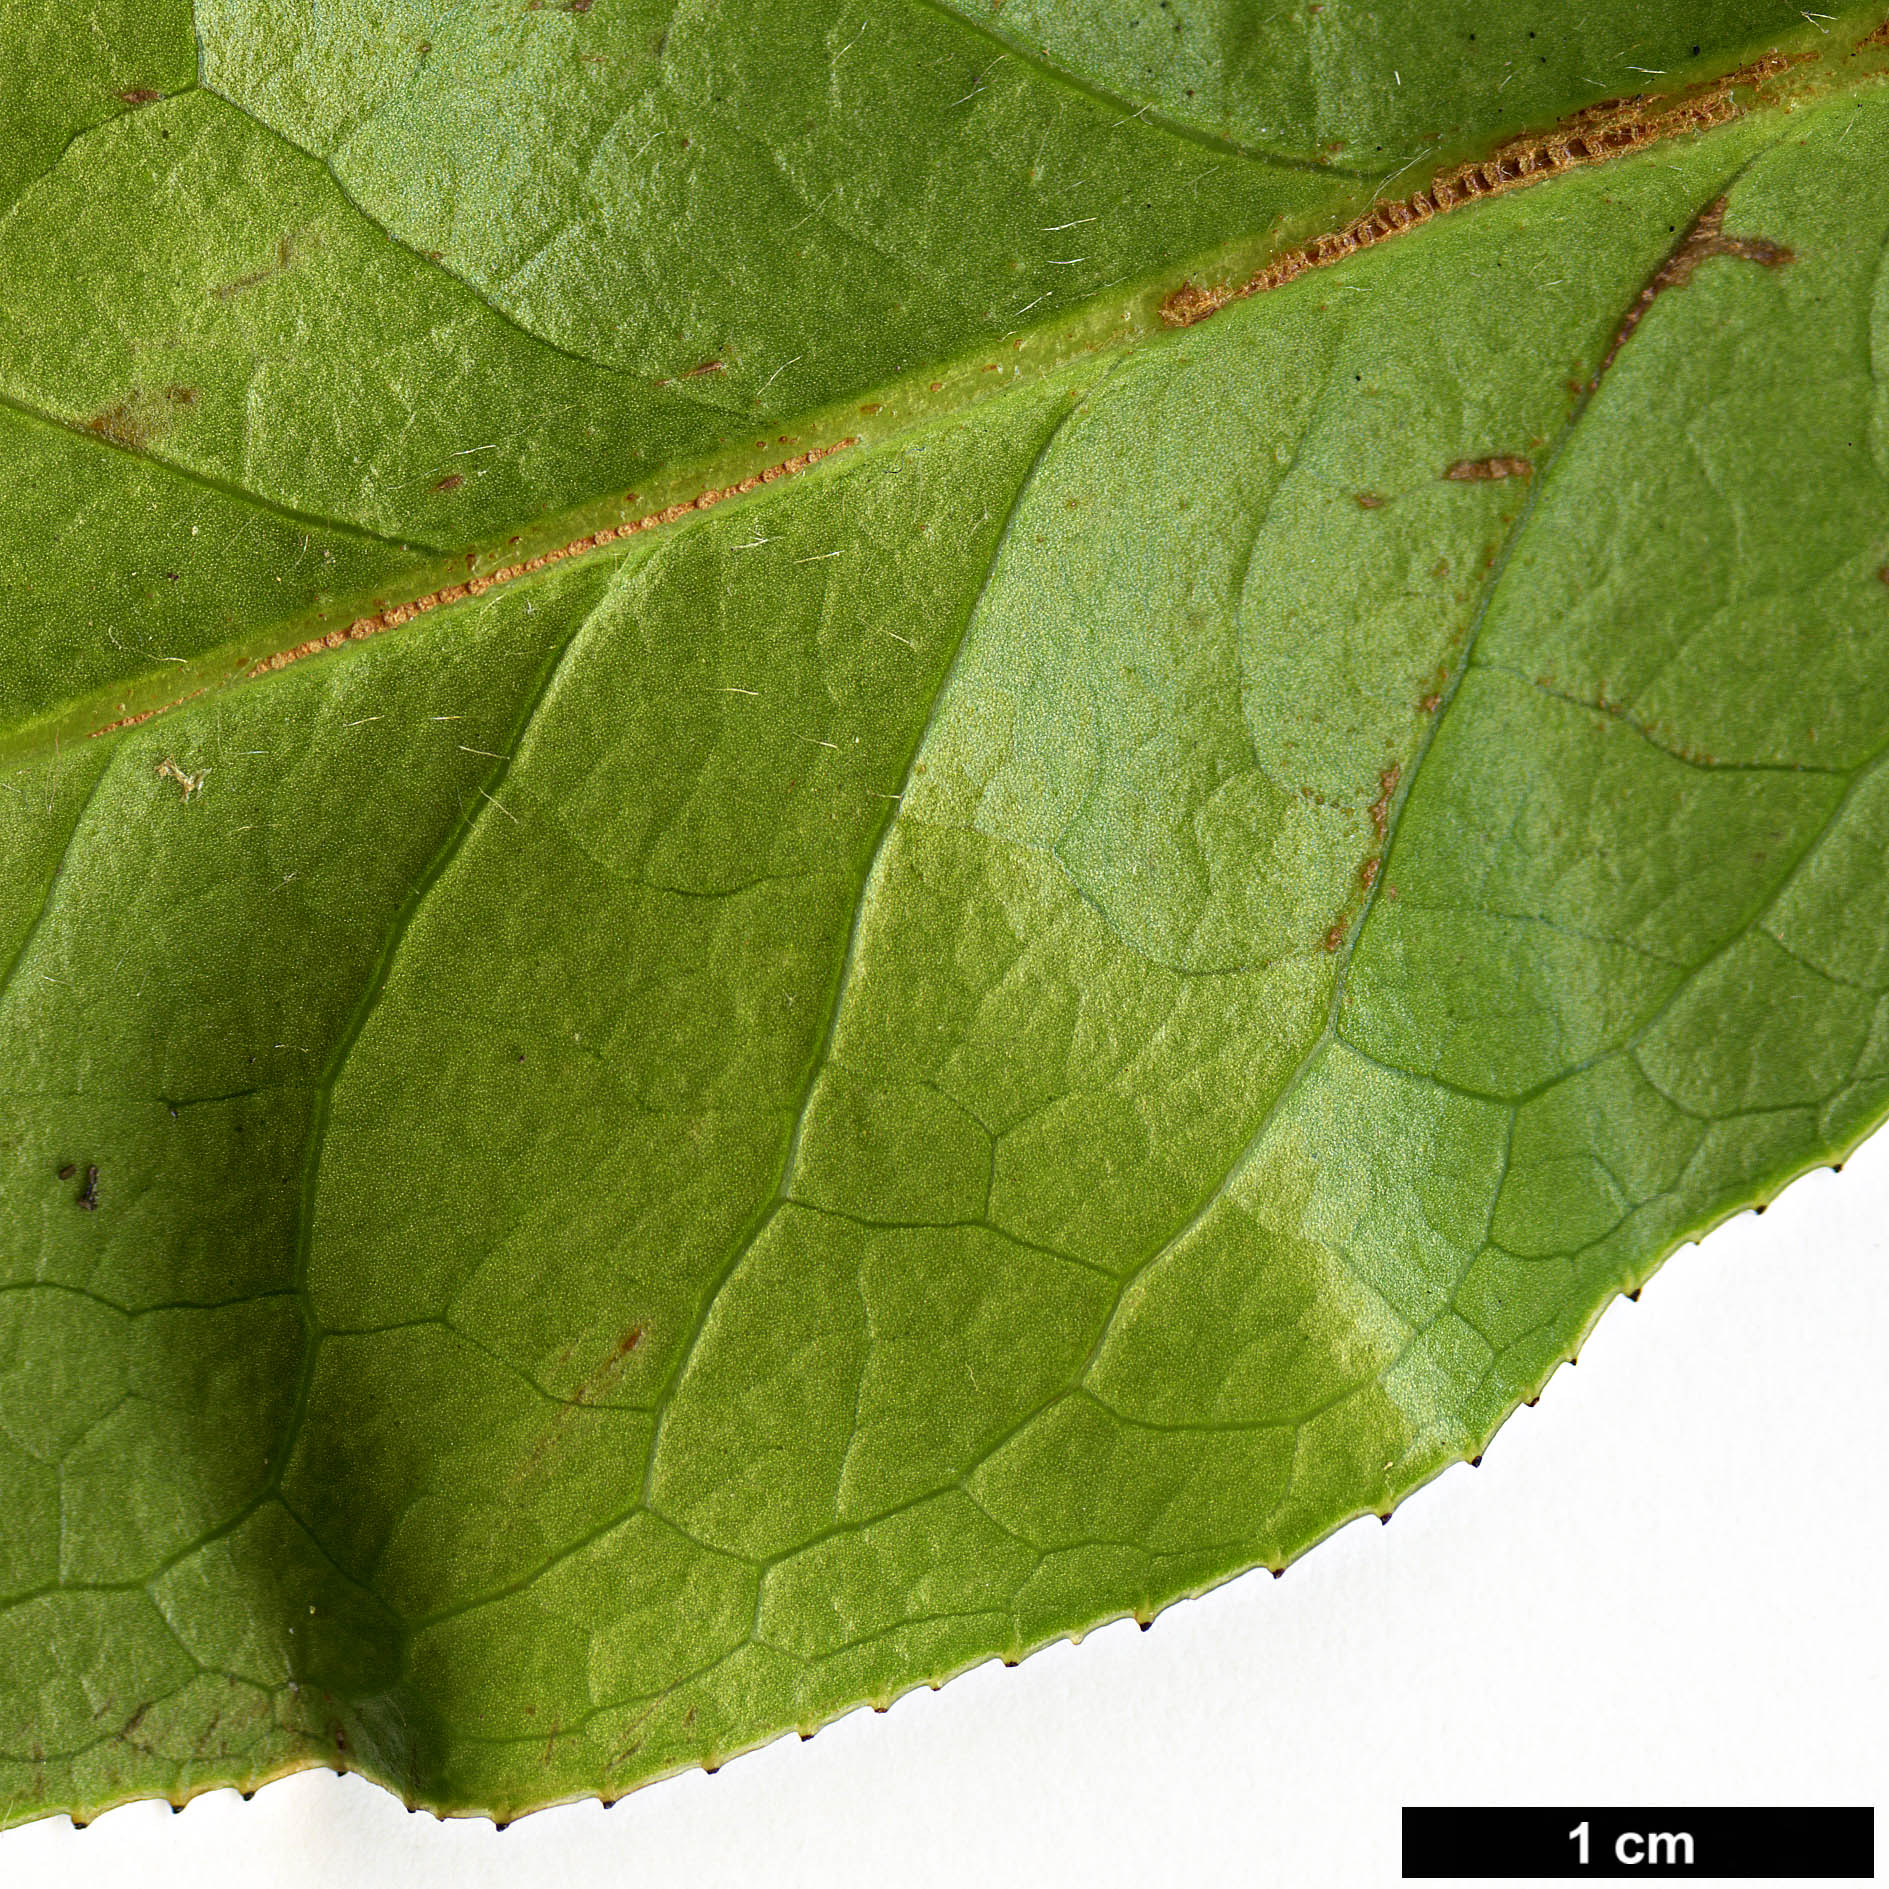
(1664, 1586)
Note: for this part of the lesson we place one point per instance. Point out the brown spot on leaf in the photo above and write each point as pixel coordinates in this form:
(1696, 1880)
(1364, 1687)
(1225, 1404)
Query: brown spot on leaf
(1367, 501)
(1503, 466)
(133, 422)
(451, 483)
(1380, 807)
(88, 1196)
(140, 95)
(1191, 303)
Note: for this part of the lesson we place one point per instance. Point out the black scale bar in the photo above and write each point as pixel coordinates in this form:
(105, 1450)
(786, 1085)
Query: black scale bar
(1753, 1845)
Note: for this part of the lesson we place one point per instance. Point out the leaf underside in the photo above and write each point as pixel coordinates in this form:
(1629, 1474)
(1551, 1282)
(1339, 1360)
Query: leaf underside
(1098, 973)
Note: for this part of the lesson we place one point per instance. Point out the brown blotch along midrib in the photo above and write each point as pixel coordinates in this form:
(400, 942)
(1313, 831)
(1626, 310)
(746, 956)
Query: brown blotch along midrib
(1606, 130)
(392, 615)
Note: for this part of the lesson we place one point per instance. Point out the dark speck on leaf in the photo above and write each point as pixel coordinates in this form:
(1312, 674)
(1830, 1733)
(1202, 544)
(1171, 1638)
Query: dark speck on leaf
(67, 1172)
(88, 1196)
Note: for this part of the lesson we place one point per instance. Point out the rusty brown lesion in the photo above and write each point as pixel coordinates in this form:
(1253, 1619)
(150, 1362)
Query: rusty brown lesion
(1386, 792)
(605, 1375)
(392, 616)
(1609, 129)
(139, 418)
(127, 423)
(1500, 466)
(144, 715)
(1704, 240)
(288, 252)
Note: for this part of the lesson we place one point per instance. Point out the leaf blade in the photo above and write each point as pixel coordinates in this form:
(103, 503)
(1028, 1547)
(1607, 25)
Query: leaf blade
(863, 1342)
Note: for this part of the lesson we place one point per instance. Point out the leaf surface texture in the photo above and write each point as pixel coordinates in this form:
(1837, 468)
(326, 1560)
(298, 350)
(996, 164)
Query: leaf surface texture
(978, 1033)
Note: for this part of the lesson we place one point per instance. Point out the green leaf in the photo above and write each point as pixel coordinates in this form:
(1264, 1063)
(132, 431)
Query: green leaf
(761, 932)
